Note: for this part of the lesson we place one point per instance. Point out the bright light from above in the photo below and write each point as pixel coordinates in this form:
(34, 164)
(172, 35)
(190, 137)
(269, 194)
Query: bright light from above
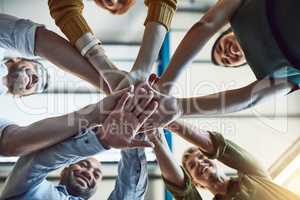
(288, 171)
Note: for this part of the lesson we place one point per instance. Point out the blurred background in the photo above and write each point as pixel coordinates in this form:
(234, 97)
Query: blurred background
(270, 131)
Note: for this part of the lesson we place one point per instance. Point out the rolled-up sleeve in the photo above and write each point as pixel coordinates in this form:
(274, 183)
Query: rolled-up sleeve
(29, 173)
(235, 156)
(161, 11)
(68, 17)
(18, 34)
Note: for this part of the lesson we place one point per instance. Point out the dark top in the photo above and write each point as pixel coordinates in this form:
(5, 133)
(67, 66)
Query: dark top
(256, 25)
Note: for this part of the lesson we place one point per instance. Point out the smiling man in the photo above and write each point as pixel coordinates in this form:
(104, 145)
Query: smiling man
(79, 179)
(21, 77)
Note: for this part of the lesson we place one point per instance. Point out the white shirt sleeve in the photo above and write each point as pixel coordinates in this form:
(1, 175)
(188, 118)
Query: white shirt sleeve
(18, 34)
(3, 124)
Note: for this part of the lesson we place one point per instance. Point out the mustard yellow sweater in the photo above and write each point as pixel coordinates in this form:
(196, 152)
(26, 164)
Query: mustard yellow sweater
(68, 15)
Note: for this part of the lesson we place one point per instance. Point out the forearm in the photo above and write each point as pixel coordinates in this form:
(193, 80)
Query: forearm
(169, 167)
(191, 44)
(97, 57)
(31, 170)
(57, 50)
(154, 35)
(196, 136)
(19, 140)
(237, 99)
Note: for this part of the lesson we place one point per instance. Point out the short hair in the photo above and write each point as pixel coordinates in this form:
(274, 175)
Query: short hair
(213, 59)
(44, 73)
(42, 69)
(126, 5)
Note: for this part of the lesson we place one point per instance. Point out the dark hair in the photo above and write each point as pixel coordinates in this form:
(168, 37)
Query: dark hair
(126, 4)
(213, 59)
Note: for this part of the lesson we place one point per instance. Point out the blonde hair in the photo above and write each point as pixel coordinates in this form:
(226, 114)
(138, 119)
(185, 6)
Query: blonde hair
(186, 156)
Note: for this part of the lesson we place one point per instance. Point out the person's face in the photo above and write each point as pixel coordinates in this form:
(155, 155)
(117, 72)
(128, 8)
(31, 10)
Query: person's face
(114, 5)
(82, 176)
(22, 78)
(228, 51)
(204, 171)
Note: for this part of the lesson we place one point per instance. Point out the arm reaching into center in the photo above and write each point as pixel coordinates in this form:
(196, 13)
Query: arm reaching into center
(215, 18)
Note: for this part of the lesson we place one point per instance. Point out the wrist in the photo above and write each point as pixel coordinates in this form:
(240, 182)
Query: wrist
(100, 133)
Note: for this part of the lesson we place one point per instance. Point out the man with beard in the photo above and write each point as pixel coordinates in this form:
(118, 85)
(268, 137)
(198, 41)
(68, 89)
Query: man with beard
(79, 180)
(200, 170)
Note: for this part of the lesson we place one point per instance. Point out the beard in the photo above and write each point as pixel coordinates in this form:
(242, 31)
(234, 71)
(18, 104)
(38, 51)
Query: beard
(15, 80)
(74, 188)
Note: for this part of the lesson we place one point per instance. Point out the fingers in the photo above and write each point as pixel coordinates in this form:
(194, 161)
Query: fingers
(135, 143)
(153, 79)
(133, 101)
(151, 108)
(144, 102)
(122, 102)
(123, 91)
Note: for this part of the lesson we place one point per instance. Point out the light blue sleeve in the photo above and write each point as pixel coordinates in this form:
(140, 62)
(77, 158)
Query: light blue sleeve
(18, 34)
(28, 177)
(132, 176)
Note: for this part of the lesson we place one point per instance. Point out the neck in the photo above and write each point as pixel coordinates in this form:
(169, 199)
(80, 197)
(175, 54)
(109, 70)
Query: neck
(221, 188)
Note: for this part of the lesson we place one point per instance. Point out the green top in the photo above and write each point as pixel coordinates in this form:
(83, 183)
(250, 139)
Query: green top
(252, 183)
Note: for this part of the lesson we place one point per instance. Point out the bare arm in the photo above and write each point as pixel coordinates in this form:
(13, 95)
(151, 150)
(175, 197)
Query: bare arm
(196, 136)
(237, 99)
(196, 38)
(17, 140)
(153, 38)
(169, 167)
(57, 50)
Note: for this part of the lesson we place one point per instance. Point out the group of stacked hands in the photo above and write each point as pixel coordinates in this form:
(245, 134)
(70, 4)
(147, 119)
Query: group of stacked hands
(138, 104)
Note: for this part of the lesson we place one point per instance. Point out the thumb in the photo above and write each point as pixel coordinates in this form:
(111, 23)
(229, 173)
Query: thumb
(135, 143)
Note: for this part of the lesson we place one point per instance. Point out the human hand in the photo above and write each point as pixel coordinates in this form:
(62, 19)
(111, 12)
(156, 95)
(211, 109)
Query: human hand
(131, 78)
(168, 110)
(124, 121)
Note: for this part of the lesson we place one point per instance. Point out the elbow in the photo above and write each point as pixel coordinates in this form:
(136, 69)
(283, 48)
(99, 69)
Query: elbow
(8, 149)
(10, 144)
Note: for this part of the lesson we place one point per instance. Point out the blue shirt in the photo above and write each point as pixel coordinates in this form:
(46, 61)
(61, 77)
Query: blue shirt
(27, 181)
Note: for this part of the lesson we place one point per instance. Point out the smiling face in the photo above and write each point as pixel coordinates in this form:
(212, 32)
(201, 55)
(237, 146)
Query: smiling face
(204, 172)
(117, 7)
(81, 178)
(25, 77)
(227, 51)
